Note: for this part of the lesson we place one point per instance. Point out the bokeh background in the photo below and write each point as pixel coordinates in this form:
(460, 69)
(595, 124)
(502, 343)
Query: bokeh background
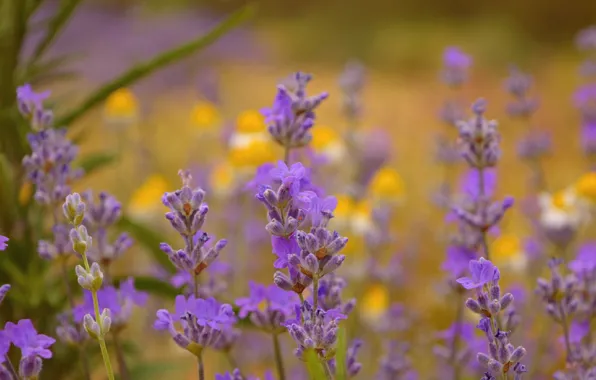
(180, 117)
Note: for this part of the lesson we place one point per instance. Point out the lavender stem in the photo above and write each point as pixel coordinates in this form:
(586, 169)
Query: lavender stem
(327, 371)
(565, 326)
(481, 199)
(11, 368)
(201, 366)
(315, 294)
(278, 358)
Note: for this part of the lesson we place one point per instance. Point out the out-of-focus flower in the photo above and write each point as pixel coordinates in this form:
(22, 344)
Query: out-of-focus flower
(387, 186)
(250, 121)
(222, 179)
(585, 187)
(121, 106)
(561, 214)
(25, 193)
(507, 251)
(268, 306)
(375, 303)
(456, 64)
(3, 241)
(328, 143)
(146, 200)
(586, 38)
(24, 336)
(205, 116)
(252, 155)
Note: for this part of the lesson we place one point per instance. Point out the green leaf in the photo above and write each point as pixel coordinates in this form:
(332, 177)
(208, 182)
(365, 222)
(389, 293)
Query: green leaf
(154, 286)
(314, 365)
(55, 26)
(144, 69)
(7, 187)
(96, 161)
(149, 239)
(341, 355)
(156, 370)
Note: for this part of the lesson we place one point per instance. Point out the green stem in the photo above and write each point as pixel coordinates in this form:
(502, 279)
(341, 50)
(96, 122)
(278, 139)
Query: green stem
(11, 368)
(315, 295)
(328, 373)
(201, 366)
(279, 364)
(481, 194)
(123, 368)
(102, 342)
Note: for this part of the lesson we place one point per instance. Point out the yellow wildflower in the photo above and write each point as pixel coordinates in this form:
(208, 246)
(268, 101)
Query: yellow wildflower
(121, 104)
(586, 187)
(252, 155)
(222, 178)
(327, 142)
(375, 302)
(561, 210)
(250, 121)
(205, 115)
(147, 198)
(387, 185)
(507, 250)
(25, 193)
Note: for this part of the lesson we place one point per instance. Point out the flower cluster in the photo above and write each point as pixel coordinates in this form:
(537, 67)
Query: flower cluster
(292, 115)
(503, 356)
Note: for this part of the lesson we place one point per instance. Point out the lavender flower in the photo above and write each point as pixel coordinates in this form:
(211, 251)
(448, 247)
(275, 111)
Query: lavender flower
(395, 364)
(479, 138)
(586, 39)
(187, 216)
(30, 104)
(352, 82)
(455, 66)
(33, 346)
(268, 306)
(120, 302)
(3, 291)
(353, 367)
(3, 241)
(59, 248)
(318, 332)
(4, 347)
(202, 322)
(503, 356)
(292, 115)
(330, 294)
(69, 332)
(518, 84)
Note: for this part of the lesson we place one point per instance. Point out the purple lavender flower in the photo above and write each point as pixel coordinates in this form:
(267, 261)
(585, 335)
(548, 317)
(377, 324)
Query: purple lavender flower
(483, 272)
(460, 335)
(268, 306)
(352, 82)
(3, 241)
(458, 259)
(30, 104)
(534, 145)
(318, 331)
(3, 291)
(479, 138)
(353, 367)
(119, 301)
(588, 138)
(455, 66)
(24, 336)
(69, 332)
(585, 101)
(518, 84)
(503, 356)
(586, 39)
(395, 364)
(202, 321)
(585, 261)
(292, 115)
(330, 294)
(60, 247)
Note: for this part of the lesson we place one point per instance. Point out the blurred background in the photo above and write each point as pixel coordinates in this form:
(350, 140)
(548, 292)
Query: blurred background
(183, 115)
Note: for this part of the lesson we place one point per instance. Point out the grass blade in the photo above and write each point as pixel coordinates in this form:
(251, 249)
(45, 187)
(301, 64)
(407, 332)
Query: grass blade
(144, 69)
(341, 355)
(314, 366)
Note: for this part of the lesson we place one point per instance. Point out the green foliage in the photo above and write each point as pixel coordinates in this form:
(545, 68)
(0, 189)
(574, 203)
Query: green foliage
(341, 355)
(314, 365)
(154, 286)
(96, 161)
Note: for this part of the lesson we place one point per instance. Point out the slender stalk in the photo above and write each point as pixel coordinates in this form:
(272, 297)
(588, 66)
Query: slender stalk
(315, 294)
(201, 366)
(8, 363)
(287, 155)
(71, 303)
(102, 342)
(301, 303)
(481, 195)
(122, 367)
(279, 364)
(459, 316)
(565, 325)
(328, 373)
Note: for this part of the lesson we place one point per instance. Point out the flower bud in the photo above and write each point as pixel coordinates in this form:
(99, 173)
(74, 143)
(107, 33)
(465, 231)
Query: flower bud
(74, 209)
(92, 327)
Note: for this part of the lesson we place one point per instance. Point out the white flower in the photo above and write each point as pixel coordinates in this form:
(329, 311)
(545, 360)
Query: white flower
(561, 210)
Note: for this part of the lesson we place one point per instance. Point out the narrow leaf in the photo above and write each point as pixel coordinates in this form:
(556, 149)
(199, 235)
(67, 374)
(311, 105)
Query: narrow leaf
(341, 355)
(156, 370)
(149, 239)
(154, 286)
(314, 365)
(144, 69)
(96, 161)
(55, 26)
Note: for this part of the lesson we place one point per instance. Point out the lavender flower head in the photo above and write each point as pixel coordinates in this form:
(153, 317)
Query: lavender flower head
(353, 367)
(503, 356)
(30, 104)
(518, 84)
(202, 322)
(395, 364)
(352, 82)
(100, 216)
(268, 307)
(330, 294)
(187, 216)
(479, 138)
(456, 64)
(33, 346)
(60, 247)
(292, 115)
(3, 241)
(4, 291)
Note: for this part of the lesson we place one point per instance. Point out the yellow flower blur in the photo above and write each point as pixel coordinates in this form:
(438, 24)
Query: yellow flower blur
(222, 178)
(25, 193)
(345, 206)
(121, 104)
(250, 121)
(322, 137)
(375, 302)
(586, 187)
(147, 197)
(507, 250)
(204, 115)
(387, 185)
(252, 155)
